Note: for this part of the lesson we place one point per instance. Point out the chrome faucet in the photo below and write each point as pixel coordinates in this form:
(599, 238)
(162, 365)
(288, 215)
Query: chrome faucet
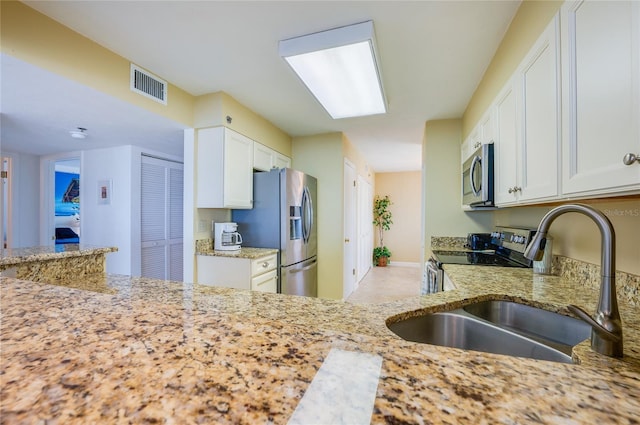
(606, 328)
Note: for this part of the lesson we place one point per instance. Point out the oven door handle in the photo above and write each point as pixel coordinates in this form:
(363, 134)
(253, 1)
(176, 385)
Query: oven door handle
(434, 277)
(432, 266)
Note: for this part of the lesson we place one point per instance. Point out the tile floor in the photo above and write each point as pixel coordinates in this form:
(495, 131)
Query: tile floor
(383, 284)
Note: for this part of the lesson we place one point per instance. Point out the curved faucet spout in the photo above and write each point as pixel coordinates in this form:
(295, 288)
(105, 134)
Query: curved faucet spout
(606, 334)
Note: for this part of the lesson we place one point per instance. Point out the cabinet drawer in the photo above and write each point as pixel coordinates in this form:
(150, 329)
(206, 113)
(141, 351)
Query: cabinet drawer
(263, 265)
(266, 282)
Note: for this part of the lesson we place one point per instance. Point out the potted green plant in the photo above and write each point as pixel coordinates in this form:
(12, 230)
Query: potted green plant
(382, 220)
(381, 256)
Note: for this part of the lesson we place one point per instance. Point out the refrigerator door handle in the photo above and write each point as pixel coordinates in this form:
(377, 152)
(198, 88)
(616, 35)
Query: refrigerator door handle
(304, 269)
(307, 211)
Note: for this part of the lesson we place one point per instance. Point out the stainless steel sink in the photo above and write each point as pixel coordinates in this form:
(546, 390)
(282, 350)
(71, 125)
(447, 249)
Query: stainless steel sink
(499, 327)
(562, 332)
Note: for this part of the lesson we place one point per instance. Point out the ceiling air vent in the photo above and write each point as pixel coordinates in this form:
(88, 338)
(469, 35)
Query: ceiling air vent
(148, 85)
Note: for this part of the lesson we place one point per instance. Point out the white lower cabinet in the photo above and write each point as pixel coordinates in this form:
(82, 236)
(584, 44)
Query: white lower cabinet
(267, 282)
(258, 274)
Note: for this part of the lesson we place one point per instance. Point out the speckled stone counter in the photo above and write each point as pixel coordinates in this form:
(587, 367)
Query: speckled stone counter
(204, 247)
(44, 263)
(116, 349)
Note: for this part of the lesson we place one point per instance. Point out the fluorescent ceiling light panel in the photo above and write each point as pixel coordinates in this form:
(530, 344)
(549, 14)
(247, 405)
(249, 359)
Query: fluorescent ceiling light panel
(339, 67)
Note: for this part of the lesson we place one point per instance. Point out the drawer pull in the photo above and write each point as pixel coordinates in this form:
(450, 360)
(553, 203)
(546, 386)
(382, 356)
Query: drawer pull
(265, 264)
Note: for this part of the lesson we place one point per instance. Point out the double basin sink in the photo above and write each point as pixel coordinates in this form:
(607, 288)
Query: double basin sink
(501, 327)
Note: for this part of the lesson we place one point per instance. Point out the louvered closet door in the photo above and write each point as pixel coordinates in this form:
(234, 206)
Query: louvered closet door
(161, 219)
(176, 189)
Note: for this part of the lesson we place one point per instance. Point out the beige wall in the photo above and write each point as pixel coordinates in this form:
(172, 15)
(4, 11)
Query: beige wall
(527, 25)
(353, 154)
(405, 191)
(211, 110)
(443, 215)
(575, 235)
(321, 156)
(33, 37)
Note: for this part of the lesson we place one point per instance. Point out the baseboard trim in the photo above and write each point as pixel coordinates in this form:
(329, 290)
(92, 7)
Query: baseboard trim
(403, 264)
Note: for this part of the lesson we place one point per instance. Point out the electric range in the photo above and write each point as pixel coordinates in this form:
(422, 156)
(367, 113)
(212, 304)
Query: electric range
(505, 250)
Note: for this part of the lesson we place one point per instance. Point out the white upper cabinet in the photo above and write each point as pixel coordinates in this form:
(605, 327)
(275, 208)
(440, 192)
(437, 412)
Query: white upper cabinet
(505, 151)
(262, 157)
(265, 158)
(487, 129)
(281, 161)
(224, 169)
(527, 135)
(601, 96)
(539, 144)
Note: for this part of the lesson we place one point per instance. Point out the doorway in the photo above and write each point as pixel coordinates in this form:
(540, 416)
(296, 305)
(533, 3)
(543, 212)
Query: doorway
(350, 235)
(66, 189)
(365, 228)
(6, 197)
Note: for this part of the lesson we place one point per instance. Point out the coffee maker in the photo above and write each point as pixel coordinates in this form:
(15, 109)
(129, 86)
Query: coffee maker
(226, 237)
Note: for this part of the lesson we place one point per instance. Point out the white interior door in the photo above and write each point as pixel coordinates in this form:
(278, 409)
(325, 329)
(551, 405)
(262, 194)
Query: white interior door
(5, 199)
(350, 236)
(364, 226)
(161, 219)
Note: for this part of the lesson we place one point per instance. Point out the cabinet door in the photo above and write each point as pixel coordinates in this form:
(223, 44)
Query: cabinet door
(210, 164)
(465, 150)
(238, 170)
(227, 272)
(281, 161)
(538, 158)
(262, 157)
(161, 206)
(601, 96)
(487, 128)
(266, 282)
(506, 139)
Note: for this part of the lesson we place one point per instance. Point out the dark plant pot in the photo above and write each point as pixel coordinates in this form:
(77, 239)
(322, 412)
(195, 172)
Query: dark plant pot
(382, 261)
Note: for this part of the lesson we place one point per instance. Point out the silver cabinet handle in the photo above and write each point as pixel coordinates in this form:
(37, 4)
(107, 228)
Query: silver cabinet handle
(265, 264)
(515, 189)
(630, 158)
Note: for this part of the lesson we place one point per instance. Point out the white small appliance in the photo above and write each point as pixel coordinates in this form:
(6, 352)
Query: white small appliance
(226, 237)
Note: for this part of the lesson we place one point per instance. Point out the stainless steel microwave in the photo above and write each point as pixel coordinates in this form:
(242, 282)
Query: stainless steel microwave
(477, 178)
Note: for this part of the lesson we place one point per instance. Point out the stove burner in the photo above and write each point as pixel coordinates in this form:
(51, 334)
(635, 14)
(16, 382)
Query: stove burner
(474, 258)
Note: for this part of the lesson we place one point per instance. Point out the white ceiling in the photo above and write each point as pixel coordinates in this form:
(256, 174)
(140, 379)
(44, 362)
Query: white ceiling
(433, 55)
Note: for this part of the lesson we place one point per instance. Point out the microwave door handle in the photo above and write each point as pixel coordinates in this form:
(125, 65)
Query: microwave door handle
(476, 162)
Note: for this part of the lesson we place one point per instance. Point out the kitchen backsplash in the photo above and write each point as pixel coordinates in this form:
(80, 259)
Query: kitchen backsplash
(204, 245)
(627, 284)
(446, 242)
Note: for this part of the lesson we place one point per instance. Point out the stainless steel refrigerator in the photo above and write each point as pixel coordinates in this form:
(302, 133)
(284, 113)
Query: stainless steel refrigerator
(284, 217)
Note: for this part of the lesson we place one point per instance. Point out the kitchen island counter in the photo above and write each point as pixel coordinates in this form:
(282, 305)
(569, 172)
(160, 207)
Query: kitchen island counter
(45, 263)
(133, 350)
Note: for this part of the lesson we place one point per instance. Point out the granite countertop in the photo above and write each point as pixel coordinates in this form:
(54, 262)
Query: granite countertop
(134, 350)
(244, 252)
(16, 256)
